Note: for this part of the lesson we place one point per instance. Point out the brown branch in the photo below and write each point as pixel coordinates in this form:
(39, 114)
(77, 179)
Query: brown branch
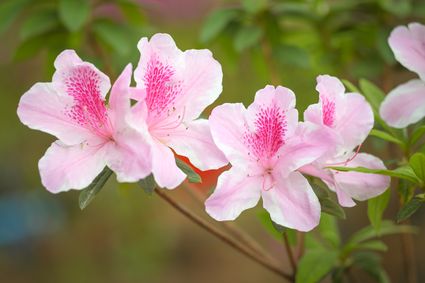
(220, 235)
(289, 253)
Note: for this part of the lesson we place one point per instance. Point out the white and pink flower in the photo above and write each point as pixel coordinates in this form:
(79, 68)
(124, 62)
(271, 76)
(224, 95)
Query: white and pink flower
(175, 87)
(350, 118)
(405, 104)
(265, 145)
(91, 133)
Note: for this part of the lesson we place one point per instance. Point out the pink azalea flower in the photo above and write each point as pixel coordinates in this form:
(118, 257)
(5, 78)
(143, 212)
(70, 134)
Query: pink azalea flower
(350, 117)
(266, 145)
(405, 104)
(176, 87)
(91, 134)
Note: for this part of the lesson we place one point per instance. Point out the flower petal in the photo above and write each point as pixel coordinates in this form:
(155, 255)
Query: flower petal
(129, 156)
(309, 143)
(235, 192)
(408, 43)
(119, 100)
(355, 123)
(227, 124)
(202, 82)
(70, 167)
(281, 97)
(404, 105)
(163, 47)
(292, 203)
(362, 186)
(42, 108)
(164, 168)
(195, 142)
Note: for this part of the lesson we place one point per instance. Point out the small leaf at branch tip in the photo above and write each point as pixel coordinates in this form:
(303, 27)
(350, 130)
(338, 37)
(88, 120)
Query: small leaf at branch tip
(192, 176)
(417, 162)
(410, 208)
(89, 193)
(148, 184)
(385, 136)
(403, 172)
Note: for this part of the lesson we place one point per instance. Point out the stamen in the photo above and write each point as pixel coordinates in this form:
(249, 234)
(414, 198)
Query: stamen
(345, 163)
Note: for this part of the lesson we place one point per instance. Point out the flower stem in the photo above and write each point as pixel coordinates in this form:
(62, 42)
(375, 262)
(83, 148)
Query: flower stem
(235, 231)
(289, 253)
(220, 235)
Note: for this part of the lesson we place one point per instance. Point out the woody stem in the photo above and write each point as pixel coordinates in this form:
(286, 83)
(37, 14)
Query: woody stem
(223, 237)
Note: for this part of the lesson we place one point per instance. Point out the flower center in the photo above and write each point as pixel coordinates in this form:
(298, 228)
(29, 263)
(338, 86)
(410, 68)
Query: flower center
(269, 134)
(161, 87)
(328, 111)
(89, 110)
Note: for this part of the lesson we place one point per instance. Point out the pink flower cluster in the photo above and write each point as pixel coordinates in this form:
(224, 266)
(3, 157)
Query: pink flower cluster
(268, 148)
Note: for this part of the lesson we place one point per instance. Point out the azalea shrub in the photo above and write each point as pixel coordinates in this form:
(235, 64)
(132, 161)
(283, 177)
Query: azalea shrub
(307, 168)
(159, 124)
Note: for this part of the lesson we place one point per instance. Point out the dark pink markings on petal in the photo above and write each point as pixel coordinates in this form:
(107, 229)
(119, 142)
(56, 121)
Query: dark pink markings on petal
(161, 87)
(328, 111)
(83, 84)
(269, 134)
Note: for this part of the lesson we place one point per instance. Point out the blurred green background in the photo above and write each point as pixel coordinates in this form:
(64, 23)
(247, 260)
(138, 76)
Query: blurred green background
(125, 235)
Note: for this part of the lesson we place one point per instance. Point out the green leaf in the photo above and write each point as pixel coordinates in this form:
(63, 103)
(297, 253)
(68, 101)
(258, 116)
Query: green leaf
(387, 228)
(192, 176)
(89, 193)
(328, 228)
(417, 162)
(409, 208)
(351, 87)
(9, 10)
(246, 37)
(374, 245)
(74, 13)
(216, 23)
(29, 48)
(404, 172)
(376, 207)
(254, 6)
(417, 135)
(370, 263)
(373, 94)
(132, 12)
(148, 184)
(39, 23)
(331, 207)
(385, 136)
(114, 35)
(292, 55)
(315, 264)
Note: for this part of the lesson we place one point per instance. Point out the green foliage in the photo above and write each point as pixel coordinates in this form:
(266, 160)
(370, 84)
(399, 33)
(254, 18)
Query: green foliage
(89, 193)
(192, 176)
(417, 135)
(148, 184)
(410, 208)
(74, 13)
(376, 207)
(315, 264)
(328, 204)
(417, 162)
(38, 24)
(385, 136)
(404, 172)
(216, 23)
(9, 10)
(247, 37)
(114, 35)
